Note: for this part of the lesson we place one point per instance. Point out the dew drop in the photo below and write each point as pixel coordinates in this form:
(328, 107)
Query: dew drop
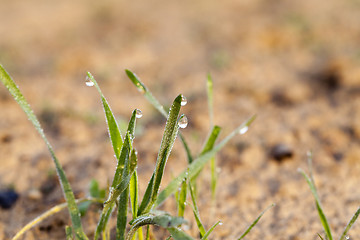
(183, 100)
(220, 223)
(138, 113)
(88, 82)
(183, 122)
(347, 237)
(243, 130)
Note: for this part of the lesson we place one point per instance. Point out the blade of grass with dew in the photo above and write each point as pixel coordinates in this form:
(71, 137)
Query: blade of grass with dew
(122, 215)
(321, 213)
(167, 142)
(125, 177)
(148, 95)
(124, 156)
(182, 198)
(51, 212)
(195, 167)
(196, 212)
(124, 196)
(349, 225)
(67, 191)
(158, 218)
(210, 230)
(144, 90)
(113, 128)
(255, 222)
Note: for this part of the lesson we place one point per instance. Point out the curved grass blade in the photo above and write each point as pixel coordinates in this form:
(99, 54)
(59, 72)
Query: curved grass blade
(196, 166)
(51, 212)
(67, 191)
(349, 225)
(155, 218)
(121, 166)
(148, 95)
(196, 212)
(255, 222)
(210, 230)
(167, 142)
(113, 128)
(321, 213)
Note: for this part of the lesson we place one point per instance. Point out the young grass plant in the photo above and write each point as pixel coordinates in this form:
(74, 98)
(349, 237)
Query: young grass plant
(125, 186)
(328, 234)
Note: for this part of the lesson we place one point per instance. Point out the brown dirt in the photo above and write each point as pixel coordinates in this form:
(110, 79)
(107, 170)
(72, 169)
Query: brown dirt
(293, 63)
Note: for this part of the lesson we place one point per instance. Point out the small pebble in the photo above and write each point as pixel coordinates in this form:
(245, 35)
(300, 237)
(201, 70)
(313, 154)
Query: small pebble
(281, 152)
(34, 194)
(8, 198)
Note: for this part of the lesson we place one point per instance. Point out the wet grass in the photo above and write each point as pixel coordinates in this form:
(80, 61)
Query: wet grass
(123, 193)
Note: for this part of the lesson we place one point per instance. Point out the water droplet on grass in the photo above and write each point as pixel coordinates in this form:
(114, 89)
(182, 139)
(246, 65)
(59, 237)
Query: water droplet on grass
(138, 113)
(183, 121)
(347, 237)
(183, 100)
(243, 130)
(88, 82)
(220, 223)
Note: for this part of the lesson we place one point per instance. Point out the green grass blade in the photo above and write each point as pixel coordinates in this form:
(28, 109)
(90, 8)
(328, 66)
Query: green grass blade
(68, 233)
(210, 230)
(144, 90)
(125, 177)
(113, 128)
(122, 214)
(148, 95)
(196, 212)
(121, 166)
(169, 136)
(67, 191)
(196, 166)
(134, 194)
(255, 222)
(148, 232)
(208, 146)
(182, 198)
(210, 142)
(349, 225)
(177, 234)
(155, 218)
(209, 88)
(322, 216)
(187, 149)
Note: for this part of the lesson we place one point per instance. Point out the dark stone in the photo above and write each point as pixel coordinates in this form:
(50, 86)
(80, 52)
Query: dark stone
(338, 156)
(281, 152)
(8, 198)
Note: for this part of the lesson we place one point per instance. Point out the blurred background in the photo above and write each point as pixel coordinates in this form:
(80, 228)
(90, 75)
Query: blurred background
(293, 63)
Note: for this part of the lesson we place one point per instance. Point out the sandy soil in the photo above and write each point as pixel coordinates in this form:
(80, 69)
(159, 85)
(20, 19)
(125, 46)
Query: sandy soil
(293, 63)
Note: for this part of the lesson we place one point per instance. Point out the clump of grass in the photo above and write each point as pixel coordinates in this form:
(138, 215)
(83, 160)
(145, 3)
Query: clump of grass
(123, 192)
(328, 233)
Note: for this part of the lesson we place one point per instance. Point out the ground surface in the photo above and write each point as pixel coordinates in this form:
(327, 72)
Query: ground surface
(293, 63)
